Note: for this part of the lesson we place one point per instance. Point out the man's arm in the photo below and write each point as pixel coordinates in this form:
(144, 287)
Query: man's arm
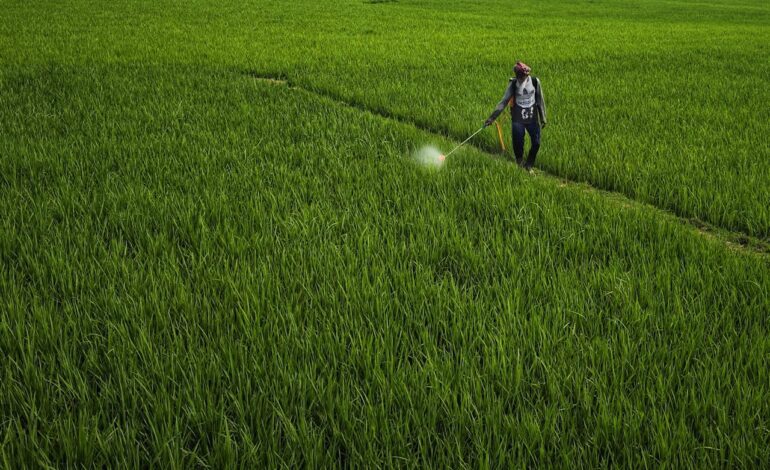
(502, 104)
(540, 103)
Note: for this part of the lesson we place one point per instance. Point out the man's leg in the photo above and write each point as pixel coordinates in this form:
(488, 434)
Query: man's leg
(533, 130)
(517, 138)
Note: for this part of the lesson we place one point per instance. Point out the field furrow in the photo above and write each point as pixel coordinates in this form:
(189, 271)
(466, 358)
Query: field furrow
(735, 239)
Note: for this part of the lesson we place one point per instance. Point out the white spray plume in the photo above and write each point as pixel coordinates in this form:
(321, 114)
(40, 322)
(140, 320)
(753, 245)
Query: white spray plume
(430, 156)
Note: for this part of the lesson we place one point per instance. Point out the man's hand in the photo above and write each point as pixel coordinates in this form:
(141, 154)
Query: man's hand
(488, 122)
(544, 124)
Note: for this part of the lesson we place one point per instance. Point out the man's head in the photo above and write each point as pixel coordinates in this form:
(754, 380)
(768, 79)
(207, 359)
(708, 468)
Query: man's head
(521, 70)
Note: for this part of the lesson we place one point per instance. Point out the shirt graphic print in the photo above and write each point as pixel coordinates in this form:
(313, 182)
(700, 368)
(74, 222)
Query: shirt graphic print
(524, 107)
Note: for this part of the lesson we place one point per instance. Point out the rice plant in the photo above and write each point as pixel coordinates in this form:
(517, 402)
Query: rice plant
(199, 267)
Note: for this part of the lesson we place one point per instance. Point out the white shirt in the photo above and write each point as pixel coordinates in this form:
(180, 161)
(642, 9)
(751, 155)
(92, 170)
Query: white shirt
(525, 93)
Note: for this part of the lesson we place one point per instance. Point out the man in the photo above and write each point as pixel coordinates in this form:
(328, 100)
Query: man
(525, 97)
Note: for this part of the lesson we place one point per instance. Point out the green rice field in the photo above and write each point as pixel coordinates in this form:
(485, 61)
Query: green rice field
(218, 251)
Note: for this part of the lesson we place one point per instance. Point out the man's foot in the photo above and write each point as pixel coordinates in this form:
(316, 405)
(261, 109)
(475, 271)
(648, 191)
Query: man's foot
(529, 169)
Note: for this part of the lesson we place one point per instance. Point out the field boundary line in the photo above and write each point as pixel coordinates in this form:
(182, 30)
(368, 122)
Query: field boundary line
(735, 240)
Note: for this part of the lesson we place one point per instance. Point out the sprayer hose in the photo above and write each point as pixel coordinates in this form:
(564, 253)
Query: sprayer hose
(500, 135)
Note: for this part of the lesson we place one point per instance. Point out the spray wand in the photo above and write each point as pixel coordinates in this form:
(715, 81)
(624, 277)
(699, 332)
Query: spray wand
(463, 142)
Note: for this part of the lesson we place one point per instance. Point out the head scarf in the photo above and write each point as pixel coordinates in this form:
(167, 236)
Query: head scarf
(521, 69)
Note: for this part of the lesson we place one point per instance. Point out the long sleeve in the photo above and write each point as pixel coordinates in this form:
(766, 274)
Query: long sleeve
(503, 102)
(540, 102)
